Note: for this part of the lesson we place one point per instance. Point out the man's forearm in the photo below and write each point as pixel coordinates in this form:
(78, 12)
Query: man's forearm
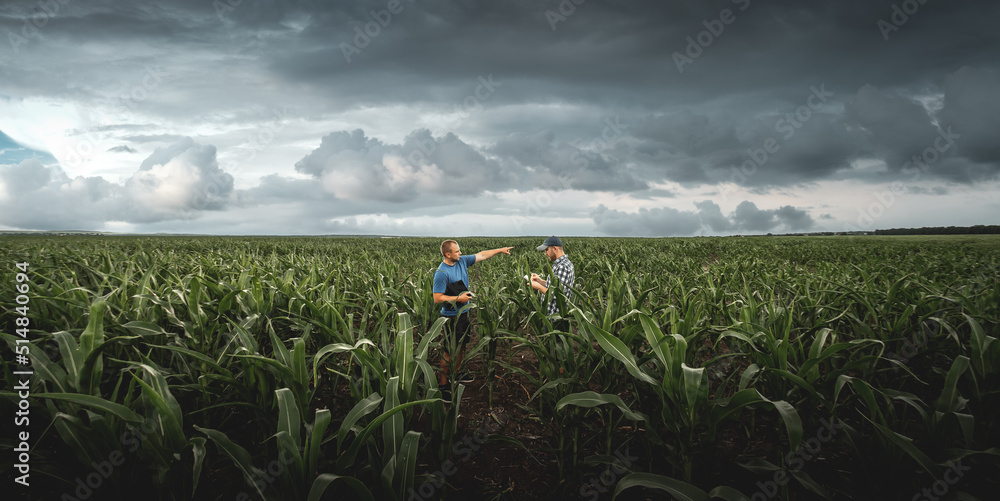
(441, 298)
(484, 255)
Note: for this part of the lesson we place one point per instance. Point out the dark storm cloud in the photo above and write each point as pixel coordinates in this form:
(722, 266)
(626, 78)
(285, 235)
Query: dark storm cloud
(646, 222)
(708, 218)
(551, 159)
(972, 108)
(897, 127)
(353, 166)
(773, 149)
(533, 84)
(748, 217)
(711, 216)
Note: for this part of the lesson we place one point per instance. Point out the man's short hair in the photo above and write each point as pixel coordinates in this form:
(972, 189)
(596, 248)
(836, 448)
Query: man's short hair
(446, 246)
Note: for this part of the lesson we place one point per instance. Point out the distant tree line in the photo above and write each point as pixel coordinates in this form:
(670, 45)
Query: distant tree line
(979, 229)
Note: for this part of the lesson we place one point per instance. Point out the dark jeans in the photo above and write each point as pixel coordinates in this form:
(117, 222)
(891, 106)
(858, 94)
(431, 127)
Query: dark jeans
(458, 325)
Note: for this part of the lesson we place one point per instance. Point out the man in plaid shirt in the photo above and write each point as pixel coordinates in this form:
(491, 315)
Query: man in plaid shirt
(562, 268)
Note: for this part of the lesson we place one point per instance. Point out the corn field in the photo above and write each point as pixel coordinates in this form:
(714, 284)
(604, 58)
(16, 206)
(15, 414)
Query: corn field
(209, 368)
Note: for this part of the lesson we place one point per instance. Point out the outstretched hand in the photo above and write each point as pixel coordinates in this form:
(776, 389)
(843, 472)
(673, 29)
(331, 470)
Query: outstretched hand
(505, 250)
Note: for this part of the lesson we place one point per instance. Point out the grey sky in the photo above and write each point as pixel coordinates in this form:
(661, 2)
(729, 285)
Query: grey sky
(470, 117)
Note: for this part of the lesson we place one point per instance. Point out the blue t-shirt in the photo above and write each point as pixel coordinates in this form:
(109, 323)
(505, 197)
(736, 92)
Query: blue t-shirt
(446, 275)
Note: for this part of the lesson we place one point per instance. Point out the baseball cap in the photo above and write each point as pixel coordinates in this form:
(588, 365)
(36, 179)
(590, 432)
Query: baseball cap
(550, 242)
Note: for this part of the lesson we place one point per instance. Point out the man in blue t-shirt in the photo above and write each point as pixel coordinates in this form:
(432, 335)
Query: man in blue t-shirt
(451, 283)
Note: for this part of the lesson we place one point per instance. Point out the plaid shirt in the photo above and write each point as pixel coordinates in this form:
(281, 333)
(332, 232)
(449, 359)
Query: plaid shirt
(562, 268)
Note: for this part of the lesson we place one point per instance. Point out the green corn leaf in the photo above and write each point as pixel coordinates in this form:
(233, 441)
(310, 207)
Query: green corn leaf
(906, 444)
(435, 330)
(360, 410)
(240, 457)
(982, 353)
(92, 372)
(247, 340)
(404, 353)
(748, 375)
(654, 336)
(392, 429)
(167, 411)
(289, 420)
(93, 336)
(72, 431)
(283, 370)
(198, 452)
(727, 494)
(618, 350)
(695, 386)
(145, 329)
(281, 353)
(325, 480)
(764, 467)
(320, 356)
(798, 381)
(92, 402)
(551, 384)
(406, 461)
(593, 399)
(298, 363)
(819, 339)
(201, 357)
(682, 491)
(950, 400)
(430, 379)
(287, 445)
(723, 409)
(314, 446)
(72, 357)
(348, 457)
